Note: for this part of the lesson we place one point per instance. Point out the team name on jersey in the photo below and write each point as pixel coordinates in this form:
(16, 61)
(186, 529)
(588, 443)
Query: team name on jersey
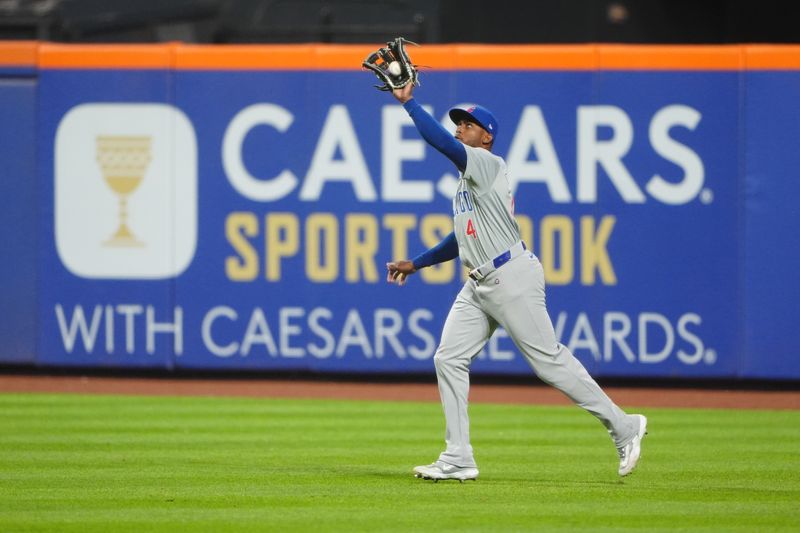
(462, 203)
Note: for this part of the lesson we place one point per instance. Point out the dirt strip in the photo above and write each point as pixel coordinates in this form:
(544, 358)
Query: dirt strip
(517, 394)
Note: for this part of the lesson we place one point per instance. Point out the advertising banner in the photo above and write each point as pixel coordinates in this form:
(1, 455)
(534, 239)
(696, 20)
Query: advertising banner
(240, 217)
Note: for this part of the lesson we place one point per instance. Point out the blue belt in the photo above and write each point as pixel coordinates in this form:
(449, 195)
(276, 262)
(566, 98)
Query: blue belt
(487, 268)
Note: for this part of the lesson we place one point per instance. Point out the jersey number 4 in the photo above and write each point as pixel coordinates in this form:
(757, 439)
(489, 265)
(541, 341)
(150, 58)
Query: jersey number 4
(471, 229)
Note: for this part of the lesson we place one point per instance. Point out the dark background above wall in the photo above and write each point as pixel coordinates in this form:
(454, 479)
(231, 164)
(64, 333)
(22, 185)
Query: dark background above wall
(426, 21)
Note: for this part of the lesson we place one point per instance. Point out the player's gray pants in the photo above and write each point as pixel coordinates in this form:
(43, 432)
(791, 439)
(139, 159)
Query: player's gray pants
(513, 297)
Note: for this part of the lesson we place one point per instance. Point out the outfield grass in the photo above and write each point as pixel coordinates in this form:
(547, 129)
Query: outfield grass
(120, 463)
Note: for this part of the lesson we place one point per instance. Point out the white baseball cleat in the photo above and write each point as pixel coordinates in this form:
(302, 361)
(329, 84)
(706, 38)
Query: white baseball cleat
(630, 453)
(440, 470)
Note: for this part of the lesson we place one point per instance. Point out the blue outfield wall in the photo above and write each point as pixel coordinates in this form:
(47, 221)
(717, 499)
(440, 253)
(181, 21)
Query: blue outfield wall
(261, 207)
(771, 226)
(18, 216)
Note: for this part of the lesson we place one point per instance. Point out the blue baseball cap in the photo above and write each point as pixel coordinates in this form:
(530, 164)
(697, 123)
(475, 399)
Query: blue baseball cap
(476, 113)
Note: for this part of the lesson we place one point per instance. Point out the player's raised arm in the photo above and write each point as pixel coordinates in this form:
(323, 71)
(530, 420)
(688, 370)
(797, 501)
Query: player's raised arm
(433, 132)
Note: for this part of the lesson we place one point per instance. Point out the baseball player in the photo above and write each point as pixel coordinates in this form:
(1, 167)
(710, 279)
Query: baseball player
(505, 288)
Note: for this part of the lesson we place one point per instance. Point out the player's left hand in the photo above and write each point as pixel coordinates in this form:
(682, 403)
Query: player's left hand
(398, 271)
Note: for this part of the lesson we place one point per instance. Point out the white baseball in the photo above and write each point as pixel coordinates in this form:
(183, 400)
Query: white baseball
(394, 68)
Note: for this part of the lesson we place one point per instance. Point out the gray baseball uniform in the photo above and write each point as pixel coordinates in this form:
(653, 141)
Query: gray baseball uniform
(506, 288)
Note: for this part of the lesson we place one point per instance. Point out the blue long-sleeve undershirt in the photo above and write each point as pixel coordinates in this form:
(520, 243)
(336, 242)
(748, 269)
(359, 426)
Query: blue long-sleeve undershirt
(436, 135)
(442, 252)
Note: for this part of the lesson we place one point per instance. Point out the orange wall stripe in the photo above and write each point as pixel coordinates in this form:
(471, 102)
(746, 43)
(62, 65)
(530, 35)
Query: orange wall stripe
(277, 57)
(343, 57)
(349, 57)
(621, 57)
(437, 57)
(18, 53)
(772, 57)
(242, 57)
(91, 56)
(525, 57)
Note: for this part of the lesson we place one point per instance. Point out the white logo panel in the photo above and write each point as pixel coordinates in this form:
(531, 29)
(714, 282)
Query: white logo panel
(125, 191)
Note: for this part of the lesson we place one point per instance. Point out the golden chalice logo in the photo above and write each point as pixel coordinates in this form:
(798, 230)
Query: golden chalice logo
(123, 161)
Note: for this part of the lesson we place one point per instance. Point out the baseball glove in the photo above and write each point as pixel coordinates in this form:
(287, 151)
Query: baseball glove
(392, 66)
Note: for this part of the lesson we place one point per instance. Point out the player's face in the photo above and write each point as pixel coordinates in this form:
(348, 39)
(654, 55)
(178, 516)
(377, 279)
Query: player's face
(471, 134)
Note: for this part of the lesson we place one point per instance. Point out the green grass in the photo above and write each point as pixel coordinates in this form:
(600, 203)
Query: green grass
(100, 463)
